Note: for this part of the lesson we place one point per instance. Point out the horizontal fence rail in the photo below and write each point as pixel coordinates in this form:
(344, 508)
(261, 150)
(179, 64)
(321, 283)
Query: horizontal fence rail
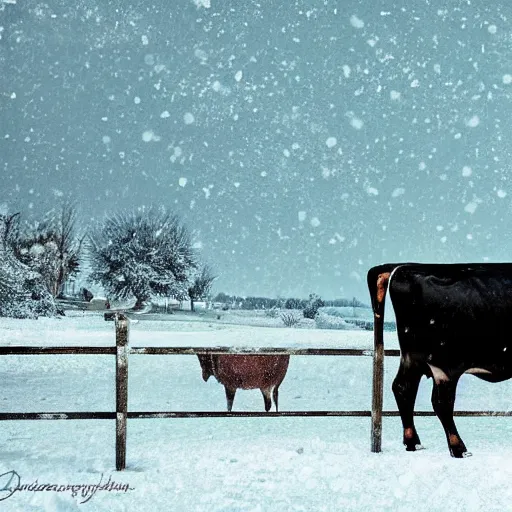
(16, 416)
(215, 414)
(21, 350)
(57, 415)
(122, 350)
(17, 350)
(260, 351)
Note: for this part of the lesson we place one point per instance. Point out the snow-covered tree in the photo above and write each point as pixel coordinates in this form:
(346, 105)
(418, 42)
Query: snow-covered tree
(22, 293)
(143, 253)
(313, 305)
(201, 284)
(50, 246)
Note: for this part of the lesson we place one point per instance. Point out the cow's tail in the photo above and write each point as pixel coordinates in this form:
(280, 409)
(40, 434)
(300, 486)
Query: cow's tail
(378, 279)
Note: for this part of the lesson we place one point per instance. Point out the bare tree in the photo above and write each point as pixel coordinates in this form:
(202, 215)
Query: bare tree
(50, 247)
(354, 303)
(201, 285)
(67, 245)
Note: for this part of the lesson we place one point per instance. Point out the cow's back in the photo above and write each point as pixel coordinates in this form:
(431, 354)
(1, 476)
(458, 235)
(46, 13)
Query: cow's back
(250, 372)
(446, 309)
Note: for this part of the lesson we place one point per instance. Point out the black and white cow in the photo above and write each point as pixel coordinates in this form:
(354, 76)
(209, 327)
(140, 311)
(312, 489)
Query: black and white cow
(451, 319)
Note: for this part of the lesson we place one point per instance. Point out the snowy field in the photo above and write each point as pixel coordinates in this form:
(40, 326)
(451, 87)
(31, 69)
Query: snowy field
(235, 464)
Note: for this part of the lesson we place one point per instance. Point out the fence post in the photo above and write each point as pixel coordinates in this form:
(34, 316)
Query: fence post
(122, 329)
(378, 382)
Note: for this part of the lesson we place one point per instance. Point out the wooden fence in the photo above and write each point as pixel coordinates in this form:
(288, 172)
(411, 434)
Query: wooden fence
(121, 415)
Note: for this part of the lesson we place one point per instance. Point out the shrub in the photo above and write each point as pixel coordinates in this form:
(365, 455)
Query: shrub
(290, 319)
(294, 303)
(323, 321)
(311, 309)
(22, 292)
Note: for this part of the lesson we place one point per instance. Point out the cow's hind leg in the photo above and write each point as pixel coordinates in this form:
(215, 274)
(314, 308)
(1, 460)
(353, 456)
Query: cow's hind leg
(275, 395)
(443, 402)
(405, 389)
(230, 397)
(266, 397)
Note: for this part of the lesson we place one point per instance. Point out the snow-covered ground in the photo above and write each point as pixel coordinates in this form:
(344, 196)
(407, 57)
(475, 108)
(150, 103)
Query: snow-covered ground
(235, 464)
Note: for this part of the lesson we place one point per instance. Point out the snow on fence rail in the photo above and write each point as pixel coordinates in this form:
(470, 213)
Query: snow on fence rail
(121, 415)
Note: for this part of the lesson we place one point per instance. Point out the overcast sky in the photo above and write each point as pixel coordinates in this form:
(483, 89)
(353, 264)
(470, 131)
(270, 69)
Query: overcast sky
(303, 142)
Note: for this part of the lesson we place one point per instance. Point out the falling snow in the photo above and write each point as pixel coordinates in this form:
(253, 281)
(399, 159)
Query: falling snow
(467, 171)
(331, 142)
(333, 111)
(149, 136)
(471, 207)
(473, 121)
(356, 123)
(188, 118)
(356, 22)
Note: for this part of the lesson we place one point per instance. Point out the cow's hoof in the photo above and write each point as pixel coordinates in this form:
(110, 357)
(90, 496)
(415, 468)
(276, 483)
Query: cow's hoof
(413, 447)
(460, 455)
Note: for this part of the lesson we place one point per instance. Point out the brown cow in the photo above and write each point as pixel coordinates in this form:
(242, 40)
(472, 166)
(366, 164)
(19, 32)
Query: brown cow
(246, 372)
